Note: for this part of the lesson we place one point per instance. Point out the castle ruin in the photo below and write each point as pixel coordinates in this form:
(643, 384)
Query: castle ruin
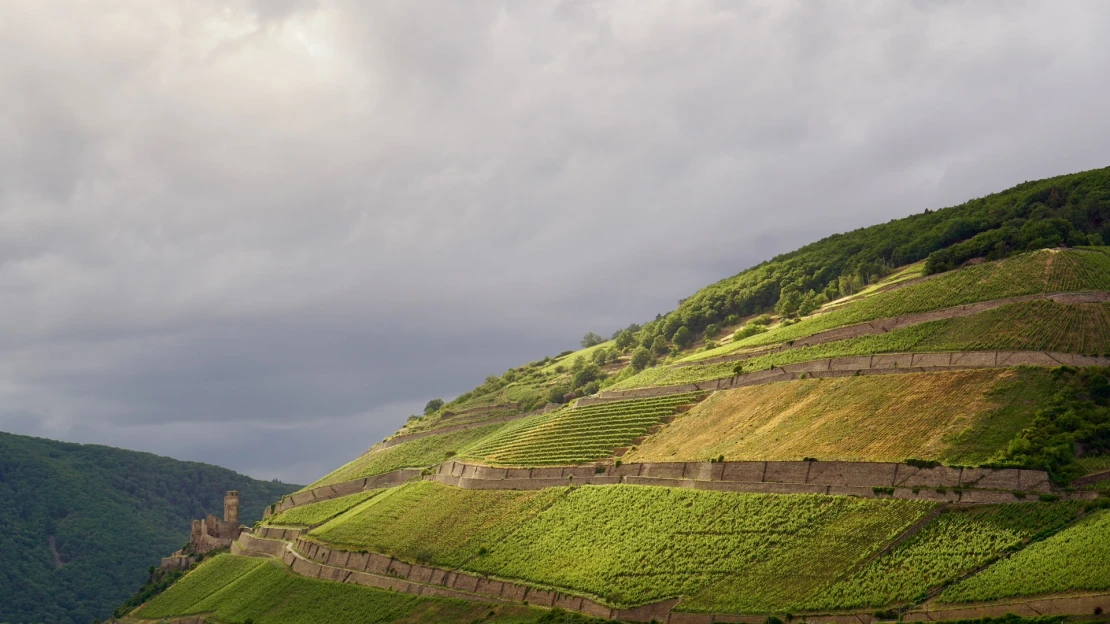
(209, 534)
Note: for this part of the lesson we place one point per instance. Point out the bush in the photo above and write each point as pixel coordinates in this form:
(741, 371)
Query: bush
(433, 406)
(640, 359)
(747, 331)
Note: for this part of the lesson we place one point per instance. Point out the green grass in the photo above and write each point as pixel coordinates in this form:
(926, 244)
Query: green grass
(428, 522)
(571, 436)
(1036, 272)
(954, 543)
(1075, 559)
(211, 576)
(416, 453)
(1031, 325)
(237, 589)
(632, 544)
(314, 514)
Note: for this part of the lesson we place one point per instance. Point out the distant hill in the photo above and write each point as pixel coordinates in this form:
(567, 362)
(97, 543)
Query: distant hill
(80, 524)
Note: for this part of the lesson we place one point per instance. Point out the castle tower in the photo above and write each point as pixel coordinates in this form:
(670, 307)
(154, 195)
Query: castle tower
(231, 507)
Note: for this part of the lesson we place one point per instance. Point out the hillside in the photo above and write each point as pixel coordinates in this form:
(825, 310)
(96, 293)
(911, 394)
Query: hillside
(912, 418)
(82, 523)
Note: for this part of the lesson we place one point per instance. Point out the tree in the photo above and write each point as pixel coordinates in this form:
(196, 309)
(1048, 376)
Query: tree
(625, 339)
(586, 374)
(599, 356)
(591, 339)
(659, 346)
(683, 337)
(640, 359)
(433, 406)
(557, 394)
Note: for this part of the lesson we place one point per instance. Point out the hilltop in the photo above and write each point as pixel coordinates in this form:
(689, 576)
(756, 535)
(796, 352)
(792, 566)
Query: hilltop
(82, 522)
(907, 419)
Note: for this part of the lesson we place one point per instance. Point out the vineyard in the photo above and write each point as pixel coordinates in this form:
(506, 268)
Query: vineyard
(242, 589)
(314, 514)
(428, 522)
(631, 545)
(628, 544)
(572, 436)
(961, 417)
(1031, 325)
(1045, 271)
(1077, 558)
(414, 453)
(955, 543)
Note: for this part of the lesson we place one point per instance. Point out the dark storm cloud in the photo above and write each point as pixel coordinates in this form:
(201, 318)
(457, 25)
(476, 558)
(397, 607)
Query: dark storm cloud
(262, 233)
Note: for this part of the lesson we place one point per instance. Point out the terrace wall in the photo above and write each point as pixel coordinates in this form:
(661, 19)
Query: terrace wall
(883, 364)
(375, 570)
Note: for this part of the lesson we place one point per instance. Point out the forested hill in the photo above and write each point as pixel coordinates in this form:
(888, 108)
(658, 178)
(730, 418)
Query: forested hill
(80, 524)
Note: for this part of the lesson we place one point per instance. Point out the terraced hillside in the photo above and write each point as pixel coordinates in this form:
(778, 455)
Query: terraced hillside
(913, 417)
(574, 436)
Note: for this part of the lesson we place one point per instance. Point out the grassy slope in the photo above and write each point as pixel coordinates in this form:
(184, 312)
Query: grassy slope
(425, 521)
(608, 541)
(236, 589)
(112, 513)
(414, 453)
(575, 435)
(957, 417)
(1077, 558)
(314, 514)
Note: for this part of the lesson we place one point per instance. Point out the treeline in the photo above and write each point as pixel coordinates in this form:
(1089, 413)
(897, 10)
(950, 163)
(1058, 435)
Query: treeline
(111, 513)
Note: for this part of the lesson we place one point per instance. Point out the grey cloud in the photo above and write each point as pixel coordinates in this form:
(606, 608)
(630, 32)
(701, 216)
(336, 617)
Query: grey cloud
(300, 220)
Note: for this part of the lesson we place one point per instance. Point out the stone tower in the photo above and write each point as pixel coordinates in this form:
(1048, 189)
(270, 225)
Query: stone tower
(231, 507)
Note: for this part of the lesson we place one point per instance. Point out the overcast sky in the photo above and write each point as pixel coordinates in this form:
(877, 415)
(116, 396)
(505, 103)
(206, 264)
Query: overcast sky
(260, 234)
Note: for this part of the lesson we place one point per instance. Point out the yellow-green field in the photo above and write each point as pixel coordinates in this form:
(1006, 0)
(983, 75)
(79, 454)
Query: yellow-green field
(262, 591)
(957, 417)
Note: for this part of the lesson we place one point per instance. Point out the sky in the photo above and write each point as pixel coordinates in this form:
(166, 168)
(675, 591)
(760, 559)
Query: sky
(262, 233)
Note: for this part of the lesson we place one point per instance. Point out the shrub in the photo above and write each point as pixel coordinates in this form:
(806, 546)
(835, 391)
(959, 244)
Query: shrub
(433, 406)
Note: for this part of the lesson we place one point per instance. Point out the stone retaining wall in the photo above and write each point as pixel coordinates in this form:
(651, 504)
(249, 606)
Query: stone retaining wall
(278, 533)
(883, 364)
(942, 483)
(959, 485)
(881, 326)
(248, 543)
(377, 570)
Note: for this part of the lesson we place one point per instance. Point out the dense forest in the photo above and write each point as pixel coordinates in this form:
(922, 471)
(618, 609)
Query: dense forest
(81, 524)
